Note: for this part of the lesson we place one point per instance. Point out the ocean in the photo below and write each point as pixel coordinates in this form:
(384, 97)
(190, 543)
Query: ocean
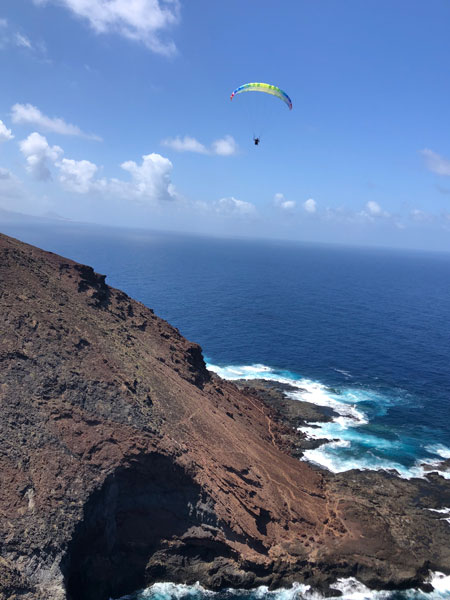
(363, 330)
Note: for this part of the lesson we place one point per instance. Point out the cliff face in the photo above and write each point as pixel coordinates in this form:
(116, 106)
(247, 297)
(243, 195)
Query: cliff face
(123, 462)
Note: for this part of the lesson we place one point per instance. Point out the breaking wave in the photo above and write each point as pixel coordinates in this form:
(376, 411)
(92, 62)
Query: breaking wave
(347, 589)
(356, 437)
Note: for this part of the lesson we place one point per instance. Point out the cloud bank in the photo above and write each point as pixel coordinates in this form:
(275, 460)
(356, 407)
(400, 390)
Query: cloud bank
(150, 182)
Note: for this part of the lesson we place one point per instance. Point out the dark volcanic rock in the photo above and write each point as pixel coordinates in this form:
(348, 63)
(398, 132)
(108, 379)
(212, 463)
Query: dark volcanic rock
(123, 462)
(288, 412)
(394, 512)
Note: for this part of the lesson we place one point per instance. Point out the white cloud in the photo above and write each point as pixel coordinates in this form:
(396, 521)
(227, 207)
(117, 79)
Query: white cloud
(5, 174)
(373, 208)
(186, 144)
(23, 41)
(436, 163)
(280, 202)
(233, 207)
(151, 180)
(31, 115)
(10, 37)
(5, 133)
(138, 20)
(38, 154)
(421, 216)
(225, 146)
(310, 205)
(77, 175)
(288, 205)
(372, 211)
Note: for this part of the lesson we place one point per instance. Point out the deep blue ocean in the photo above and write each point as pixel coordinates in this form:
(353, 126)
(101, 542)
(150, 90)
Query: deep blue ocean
(366, 331)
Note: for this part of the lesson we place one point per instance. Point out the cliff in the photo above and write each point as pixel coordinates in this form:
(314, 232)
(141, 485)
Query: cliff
(124, 462)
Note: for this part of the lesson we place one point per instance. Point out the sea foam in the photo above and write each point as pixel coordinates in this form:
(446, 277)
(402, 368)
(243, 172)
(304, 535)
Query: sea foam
(349, 441)
(442, 511)
(346, 588)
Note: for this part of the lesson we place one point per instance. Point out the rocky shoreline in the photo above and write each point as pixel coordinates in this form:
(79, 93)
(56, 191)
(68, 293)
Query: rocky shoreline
(404, 506)
(288, 412)
(125, 462)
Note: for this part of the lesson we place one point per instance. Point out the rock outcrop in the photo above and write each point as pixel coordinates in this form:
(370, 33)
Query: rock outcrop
(123, 462)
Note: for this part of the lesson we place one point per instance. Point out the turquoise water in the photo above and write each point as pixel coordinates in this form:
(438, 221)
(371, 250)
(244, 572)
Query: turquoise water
(358, 437)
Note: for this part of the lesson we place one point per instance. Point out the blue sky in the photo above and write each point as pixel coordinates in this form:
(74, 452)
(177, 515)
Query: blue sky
(118, 112)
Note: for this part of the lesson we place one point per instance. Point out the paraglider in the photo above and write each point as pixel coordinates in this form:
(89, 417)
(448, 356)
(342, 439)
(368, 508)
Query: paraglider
(266, 88)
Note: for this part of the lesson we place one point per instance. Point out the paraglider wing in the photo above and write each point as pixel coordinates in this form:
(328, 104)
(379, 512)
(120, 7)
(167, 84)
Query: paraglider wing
(263, 87)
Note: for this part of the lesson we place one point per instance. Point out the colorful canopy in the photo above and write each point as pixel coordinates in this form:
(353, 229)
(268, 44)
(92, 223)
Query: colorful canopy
(263, 87)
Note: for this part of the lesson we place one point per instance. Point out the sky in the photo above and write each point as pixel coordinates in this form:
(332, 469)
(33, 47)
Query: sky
(118, 112)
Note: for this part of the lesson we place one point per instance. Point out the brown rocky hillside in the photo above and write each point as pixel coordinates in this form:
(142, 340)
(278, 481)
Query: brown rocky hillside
(123, 461)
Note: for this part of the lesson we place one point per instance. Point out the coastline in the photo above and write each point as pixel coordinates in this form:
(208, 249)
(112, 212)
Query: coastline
(333, 424)
(391, 496)
(127, 463)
